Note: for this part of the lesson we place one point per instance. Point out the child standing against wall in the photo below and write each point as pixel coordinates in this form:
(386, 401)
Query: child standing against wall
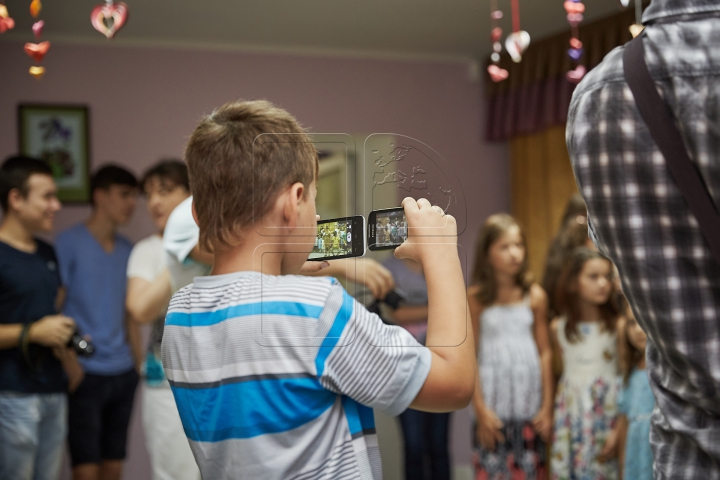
(585, 343)
(513, 399)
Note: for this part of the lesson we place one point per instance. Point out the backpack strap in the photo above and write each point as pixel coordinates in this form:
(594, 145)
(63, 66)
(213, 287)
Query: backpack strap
(658, 118)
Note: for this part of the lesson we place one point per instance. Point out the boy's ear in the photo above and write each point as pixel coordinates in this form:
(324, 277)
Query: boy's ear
(294, 197)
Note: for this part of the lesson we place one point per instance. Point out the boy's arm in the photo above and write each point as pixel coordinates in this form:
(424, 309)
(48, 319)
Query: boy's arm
(146, 300)
(432, 241)
(135, 341)
(358, 270)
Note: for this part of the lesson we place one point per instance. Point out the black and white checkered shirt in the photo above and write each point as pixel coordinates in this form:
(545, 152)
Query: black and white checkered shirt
(639, 219)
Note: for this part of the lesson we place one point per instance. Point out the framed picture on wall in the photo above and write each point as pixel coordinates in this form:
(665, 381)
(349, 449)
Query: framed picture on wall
(59, 134)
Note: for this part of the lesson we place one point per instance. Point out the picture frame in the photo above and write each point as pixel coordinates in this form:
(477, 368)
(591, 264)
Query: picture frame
(59, 134)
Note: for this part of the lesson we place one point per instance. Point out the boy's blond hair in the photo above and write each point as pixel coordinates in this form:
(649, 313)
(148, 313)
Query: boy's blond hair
(239, 159)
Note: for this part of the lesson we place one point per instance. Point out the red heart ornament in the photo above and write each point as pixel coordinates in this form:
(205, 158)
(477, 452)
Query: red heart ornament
(37, 50)
(6, 23)
(574, 7)
(497, 74)
(496, 34)
(574, 76)
(109, 18)
(574, 19)
(575, 43)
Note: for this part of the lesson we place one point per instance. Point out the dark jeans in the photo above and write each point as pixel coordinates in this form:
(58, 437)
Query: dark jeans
(426, 445)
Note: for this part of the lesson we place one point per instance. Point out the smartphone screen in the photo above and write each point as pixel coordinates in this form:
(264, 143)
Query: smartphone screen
(388, 229)
(339, 238)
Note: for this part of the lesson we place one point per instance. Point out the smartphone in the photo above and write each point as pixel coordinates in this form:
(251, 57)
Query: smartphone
(339, 238)
(387, 229)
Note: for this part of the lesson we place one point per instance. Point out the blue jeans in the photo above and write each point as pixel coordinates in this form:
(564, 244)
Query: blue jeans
(426, 445)
(32, 435)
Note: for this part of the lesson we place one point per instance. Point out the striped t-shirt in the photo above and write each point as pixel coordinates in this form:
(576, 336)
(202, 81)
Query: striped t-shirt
(275, 377)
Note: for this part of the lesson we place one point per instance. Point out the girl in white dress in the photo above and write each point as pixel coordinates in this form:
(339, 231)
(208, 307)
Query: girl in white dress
(585, 343)
(513, 397)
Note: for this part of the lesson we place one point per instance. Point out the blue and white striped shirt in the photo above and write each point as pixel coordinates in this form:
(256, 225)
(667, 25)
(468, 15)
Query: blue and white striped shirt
(275, 377)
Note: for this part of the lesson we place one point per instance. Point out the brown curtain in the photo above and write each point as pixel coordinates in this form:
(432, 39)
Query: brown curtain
(536, 95)
(542, 182)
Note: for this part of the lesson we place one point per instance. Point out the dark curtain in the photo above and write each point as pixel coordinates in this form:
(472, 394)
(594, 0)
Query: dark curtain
(537, 95)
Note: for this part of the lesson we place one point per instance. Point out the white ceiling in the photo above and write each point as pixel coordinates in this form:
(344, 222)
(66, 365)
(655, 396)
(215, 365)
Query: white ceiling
(451, 29)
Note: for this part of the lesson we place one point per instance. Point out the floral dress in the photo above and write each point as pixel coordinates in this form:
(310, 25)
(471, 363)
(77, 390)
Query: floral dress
(509, 366)
(585, 404)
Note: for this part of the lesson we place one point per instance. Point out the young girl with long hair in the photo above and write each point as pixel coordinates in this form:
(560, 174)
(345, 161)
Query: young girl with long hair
(630, 440)
(585, 343)
(513, 397)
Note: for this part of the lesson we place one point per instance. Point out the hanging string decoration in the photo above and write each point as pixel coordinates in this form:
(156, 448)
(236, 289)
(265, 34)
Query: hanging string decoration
(575, 10)
(518, 41)
(109, 18)
(37, 51)
(637, 27)
(6, 23)
(497, 74)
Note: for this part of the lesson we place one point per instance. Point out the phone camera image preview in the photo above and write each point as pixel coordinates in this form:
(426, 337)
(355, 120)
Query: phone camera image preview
(390, 228)
(334, 239)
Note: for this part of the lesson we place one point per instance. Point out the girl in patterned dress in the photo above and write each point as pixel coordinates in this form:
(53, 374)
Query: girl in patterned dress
(513, 397)
(585, 343)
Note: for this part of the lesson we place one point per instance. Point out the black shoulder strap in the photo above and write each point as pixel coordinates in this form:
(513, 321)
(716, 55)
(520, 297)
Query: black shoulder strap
(659, 121)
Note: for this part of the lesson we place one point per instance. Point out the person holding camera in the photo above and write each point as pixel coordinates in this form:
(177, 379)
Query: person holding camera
(33, 338)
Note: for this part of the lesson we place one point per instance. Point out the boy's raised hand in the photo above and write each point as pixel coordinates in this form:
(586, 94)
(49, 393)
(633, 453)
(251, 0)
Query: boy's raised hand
(429, 229)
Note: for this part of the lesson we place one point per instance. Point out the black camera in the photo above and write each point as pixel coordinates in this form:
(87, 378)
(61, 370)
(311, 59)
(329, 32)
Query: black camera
(81, 346)
(392, 300)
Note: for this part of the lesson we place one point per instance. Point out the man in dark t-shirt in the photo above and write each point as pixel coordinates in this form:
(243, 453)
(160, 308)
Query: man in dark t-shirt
(33, 337)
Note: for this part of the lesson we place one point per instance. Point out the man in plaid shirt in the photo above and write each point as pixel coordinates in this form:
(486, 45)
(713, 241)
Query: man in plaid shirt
(640, 220)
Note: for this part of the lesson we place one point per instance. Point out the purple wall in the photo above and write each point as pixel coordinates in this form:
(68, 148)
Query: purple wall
(144, 103)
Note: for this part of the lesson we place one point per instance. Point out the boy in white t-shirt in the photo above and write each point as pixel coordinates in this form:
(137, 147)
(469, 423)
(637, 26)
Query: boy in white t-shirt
(165, 186)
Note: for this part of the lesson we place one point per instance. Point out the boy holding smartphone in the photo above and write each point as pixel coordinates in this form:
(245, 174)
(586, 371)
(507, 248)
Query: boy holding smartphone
(275, 375)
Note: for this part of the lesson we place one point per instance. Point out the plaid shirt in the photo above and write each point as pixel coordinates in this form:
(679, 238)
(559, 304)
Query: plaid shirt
(639, 219)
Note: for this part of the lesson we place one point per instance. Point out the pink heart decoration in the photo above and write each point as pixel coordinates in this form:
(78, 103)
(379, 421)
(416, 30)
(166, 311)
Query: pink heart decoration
(6, 23)
(37, 50)
(497, 74)
(575, 43)
(574, 19)
(573, 7)
(516, 43)
(37, 29)
(108, 19)
(574, 76)
(496, 15)
(496, 33)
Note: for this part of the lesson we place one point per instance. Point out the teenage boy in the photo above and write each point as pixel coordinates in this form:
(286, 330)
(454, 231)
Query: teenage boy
(275, 375)
(93, 263)
(33, 339)
(165, 186)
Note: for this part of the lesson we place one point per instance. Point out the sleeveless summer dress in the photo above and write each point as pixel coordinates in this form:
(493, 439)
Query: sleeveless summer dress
(509, 367)
(585, 404)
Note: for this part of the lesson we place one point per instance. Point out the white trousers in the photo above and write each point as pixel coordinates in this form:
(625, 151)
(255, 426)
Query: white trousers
(170, 453)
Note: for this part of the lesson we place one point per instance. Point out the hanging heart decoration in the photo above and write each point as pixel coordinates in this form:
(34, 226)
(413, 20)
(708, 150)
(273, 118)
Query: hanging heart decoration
(6, 23)
(35, 7)
(624, 3)
(37, 50)
(574, 76)
(109, 18)
(516, 43)
(37, 29)
(574, 7)
(37, 72)
(575, 10)
(497, 74)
